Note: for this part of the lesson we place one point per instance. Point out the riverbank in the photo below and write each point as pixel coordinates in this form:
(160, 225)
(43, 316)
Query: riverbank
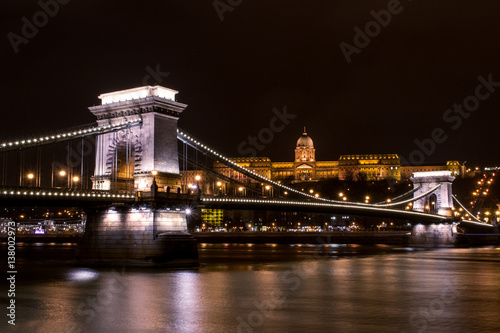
(363, 238)
(399, 238)
(335, 237)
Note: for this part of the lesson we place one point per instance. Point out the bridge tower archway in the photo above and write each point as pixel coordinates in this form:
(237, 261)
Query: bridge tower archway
(441, 200)
(125, 159)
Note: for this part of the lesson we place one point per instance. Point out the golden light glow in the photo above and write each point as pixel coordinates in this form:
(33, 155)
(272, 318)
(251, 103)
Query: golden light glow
(62, 173)
(197, 177)
(31, 176)
(75, 179)
(154, 172)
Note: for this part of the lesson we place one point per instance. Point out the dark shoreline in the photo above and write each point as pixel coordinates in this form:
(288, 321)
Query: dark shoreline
(391, 238)
(399, 238)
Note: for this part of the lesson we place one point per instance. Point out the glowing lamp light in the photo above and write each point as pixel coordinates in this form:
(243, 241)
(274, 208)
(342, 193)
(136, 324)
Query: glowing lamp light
(82, 275)
(62, 173)
(188, 211)
(154, 172)
(197, 177)
(219, 184)
(76, 179)
(31, 176)
(240, 189)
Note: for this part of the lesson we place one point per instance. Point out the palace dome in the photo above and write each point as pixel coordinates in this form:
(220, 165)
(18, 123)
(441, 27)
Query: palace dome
(305, 140)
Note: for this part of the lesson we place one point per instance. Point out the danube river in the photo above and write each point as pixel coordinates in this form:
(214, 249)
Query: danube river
(262, 288)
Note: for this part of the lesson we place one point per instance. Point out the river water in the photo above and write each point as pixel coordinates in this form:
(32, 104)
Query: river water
(262, 288)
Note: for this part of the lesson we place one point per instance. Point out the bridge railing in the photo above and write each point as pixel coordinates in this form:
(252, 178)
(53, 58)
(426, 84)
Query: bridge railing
(60, 193)
(64, 135)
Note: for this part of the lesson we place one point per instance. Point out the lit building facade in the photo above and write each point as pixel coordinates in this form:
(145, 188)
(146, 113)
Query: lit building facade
(305, 167)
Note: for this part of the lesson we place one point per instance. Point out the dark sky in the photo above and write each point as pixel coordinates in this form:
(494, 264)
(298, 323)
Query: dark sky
(265, 55)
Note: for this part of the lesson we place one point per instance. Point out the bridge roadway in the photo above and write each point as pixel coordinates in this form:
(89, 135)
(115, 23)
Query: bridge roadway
(319, 207)
(32, 197)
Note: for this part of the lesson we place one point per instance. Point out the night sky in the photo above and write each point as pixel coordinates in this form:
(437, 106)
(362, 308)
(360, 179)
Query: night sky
(266, 55)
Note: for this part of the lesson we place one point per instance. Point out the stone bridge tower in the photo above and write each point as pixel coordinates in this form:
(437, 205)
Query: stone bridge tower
(125, 159)
(441, 200)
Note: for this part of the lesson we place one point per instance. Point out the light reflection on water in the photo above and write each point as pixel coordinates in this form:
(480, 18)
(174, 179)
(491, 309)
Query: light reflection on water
(265, 288)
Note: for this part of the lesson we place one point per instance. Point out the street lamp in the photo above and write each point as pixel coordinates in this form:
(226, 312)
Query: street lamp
(75, 180)
(30, 177)
(154, 186)
(62, 174)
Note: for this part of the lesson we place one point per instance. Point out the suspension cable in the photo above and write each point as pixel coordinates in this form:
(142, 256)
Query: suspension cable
(463, 207)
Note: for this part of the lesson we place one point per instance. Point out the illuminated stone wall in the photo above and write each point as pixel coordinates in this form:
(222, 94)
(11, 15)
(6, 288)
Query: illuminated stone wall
(441, 200)
(150, 146)
(137, 235)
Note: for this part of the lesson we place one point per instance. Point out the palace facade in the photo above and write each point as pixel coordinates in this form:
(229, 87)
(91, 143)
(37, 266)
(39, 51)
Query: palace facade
(305, 167)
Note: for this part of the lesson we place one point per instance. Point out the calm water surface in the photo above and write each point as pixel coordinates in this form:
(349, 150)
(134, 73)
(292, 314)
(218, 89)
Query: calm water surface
(263, 288)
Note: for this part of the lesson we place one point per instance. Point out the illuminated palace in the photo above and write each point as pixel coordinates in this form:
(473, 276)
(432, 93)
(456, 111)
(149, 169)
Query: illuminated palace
(305, 167)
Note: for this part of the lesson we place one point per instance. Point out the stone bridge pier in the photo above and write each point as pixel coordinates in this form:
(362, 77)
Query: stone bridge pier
(144, 159)
(438, 202)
